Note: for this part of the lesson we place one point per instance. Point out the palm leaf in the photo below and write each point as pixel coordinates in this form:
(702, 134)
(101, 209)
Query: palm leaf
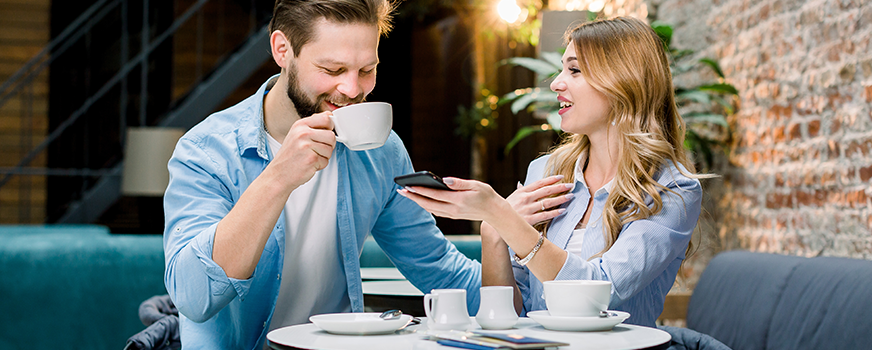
(694, 95)
(714, 66)
(539, 66)
(710, 118)
(522, 133)
(720, 88)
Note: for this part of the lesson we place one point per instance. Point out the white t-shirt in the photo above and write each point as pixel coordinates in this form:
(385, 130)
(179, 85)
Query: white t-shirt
(576, 241)
(313, 279)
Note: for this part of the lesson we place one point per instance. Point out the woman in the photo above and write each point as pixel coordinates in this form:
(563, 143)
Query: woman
(634, 199)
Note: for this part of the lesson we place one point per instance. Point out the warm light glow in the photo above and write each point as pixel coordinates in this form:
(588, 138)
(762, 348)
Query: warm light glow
(596, 6)
(574, 5)
(509, 10)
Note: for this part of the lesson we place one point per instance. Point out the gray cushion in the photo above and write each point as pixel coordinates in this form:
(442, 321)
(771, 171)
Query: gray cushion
(736, 296)
(827, 304)
(688, 339)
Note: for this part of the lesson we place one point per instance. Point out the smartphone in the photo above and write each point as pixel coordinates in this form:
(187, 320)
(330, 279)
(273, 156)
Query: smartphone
(422, 178)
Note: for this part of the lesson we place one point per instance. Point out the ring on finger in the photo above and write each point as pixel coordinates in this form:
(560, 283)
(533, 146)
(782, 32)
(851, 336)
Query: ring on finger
(543, 205)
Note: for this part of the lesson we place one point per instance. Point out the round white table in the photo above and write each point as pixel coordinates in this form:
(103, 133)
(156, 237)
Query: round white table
(402, 288)
(309, 336)
(381, 273)
(380, 296)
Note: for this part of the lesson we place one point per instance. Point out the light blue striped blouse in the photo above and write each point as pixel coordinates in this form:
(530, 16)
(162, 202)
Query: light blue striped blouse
(643, 262)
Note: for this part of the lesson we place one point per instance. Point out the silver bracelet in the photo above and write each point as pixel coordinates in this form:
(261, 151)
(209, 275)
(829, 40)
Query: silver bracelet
(527, 258)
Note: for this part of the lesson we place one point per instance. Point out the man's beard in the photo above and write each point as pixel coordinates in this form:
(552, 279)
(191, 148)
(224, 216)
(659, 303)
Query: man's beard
(304, 106)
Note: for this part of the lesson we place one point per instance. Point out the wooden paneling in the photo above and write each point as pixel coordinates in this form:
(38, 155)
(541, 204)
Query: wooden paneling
(24, 31)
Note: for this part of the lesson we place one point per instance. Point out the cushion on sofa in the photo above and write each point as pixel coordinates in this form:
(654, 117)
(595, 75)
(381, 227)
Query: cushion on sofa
(736, 296)
(74, 287)
(826, 304)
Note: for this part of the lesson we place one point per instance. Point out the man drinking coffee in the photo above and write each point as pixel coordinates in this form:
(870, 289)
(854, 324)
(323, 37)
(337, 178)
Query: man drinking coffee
(266, 214)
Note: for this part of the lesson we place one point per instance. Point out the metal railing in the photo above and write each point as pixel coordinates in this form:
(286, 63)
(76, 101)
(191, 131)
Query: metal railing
(19, 84)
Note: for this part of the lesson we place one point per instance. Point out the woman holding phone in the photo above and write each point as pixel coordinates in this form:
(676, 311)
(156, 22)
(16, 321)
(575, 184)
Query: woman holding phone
(634, 198)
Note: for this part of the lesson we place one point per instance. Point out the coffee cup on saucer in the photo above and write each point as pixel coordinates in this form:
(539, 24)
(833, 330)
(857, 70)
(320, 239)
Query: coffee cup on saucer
(577, 298)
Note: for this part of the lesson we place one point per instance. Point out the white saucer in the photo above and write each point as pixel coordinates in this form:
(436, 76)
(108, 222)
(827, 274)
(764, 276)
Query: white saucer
(571, 323)
(358, 323)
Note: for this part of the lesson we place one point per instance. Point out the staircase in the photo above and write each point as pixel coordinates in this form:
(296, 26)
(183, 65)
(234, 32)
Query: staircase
(215, 46)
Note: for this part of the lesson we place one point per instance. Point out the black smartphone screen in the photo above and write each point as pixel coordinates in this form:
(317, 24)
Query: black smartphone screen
(422, 178)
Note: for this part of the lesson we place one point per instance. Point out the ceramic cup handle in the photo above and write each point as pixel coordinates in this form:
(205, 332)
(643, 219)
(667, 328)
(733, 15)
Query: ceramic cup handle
(427, 299)
(338, 138)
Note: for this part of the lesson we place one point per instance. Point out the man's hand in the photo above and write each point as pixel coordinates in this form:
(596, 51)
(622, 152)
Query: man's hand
(306, 149)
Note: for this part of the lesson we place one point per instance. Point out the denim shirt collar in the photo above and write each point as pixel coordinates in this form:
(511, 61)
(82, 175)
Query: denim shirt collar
(252, 133)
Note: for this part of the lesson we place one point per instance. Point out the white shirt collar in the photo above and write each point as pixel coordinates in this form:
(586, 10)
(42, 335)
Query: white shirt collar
(579, 175)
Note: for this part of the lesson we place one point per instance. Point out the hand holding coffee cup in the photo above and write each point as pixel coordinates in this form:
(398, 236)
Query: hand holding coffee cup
(363, 126)
(577, 298)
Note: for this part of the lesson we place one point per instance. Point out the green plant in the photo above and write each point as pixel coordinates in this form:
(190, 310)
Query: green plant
(704, 107)
(479, 118)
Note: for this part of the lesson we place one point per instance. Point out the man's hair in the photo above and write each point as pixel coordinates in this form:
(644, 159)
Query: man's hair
(296, 18)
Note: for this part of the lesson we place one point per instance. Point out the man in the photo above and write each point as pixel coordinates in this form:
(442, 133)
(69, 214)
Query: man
(266, 215)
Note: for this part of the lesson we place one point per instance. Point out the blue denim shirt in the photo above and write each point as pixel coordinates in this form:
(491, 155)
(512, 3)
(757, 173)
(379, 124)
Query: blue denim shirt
(212, 166)
(643, 262)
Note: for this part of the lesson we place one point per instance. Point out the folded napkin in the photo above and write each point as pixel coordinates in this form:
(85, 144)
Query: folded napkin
(162, 319)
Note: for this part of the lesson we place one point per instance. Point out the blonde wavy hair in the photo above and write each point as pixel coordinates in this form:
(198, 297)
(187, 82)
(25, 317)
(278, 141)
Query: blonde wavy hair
(624, 59)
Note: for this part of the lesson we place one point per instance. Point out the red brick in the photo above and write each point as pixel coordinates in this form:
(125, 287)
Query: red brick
(857, 149)
(833, 149)
(794, 131)
(778, 135)
(778, 201)
(866, 173)
(814, 127)
(835, 125)
(868, 93)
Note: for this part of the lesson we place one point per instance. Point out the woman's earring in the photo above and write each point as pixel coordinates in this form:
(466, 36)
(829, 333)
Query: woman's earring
(613, 122)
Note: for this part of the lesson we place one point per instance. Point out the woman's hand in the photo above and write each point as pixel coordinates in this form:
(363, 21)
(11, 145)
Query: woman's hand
(531, 201)
(470, 200)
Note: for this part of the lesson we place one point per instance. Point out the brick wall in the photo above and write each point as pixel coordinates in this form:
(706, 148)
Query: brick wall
(24, 31)
(797, 179)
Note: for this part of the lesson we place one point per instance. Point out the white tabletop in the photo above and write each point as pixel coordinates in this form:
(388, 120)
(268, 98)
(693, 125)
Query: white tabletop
(391, 288)
(309, 336)
(381, 273)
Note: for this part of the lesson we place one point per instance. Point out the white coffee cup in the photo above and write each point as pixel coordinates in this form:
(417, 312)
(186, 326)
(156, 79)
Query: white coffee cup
(580, 298)
(448, 309)
(497, 308)
(363, 126)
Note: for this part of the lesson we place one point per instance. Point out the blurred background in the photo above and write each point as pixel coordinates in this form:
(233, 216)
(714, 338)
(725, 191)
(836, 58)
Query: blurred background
(777, 94)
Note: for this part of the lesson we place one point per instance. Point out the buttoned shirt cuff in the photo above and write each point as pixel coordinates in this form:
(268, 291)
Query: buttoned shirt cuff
(218, 279)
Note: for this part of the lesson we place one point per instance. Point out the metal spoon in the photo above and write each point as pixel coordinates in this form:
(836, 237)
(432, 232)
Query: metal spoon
(604, 314)
(391, 314)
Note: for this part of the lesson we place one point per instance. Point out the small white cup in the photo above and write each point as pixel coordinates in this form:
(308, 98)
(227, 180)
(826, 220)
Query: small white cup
(448, 309)
(497, 308)
(579, 298)
(363, 126)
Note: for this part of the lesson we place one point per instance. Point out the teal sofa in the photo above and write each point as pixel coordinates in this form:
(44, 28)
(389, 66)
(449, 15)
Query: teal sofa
(373, 256)
(74, 287)
(80, 286)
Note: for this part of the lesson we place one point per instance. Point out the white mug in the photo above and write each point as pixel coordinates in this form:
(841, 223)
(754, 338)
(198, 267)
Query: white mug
(363, 126)
(497, 308)
(581, 298)
(448, 309)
